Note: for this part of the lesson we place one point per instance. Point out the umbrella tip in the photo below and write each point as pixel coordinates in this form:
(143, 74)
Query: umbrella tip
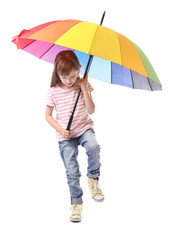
(102, 17)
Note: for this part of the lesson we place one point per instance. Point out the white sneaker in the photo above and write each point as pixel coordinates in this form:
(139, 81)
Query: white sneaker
(95, 189)
(76, 213)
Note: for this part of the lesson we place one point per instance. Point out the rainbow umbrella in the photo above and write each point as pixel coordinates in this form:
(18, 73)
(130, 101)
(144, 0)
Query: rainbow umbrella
(116, 59)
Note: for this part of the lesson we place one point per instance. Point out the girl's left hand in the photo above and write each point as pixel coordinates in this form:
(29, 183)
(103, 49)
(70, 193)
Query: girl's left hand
(83, 82)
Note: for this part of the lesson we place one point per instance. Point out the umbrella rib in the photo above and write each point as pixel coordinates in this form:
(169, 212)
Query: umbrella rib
(120, 49)
(132, 78)
(149, 84)
(46, 51)
(98, 27)
(93, 39)
(111, 72)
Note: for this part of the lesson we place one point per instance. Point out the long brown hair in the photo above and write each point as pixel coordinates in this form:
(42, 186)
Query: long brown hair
(64, 63)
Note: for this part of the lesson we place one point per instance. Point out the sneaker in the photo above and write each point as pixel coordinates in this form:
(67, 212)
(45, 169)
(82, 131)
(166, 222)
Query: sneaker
(76, 213)
(95, 189)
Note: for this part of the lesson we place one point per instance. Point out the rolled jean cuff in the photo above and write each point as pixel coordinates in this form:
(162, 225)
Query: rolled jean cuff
(76, 200)
(96, 175)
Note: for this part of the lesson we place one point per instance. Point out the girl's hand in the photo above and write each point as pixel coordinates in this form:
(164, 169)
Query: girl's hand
(66, 134)
(83, 82)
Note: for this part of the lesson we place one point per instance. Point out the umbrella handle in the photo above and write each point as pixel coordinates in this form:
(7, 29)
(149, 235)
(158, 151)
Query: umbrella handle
(72, 115)
(87, 70)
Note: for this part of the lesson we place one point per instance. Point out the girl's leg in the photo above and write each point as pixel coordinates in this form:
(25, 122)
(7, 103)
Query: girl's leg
(88, 140)
(69, 152)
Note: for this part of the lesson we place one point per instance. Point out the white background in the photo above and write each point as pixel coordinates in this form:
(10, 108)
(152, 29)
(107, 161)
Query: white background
(135, 129)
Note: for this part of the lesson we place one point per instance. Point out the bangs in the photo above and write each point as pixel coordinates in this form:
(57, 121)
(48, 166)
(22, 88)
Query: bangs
(64, 68)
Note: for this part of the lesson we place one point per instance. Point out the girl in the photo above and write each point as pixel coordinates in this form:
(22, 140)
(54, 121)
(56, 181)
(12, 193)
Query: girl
(64, 87)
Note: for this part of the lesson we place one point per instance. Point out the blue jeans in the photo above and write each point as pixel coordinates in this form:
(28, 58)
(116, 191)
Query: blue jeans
(69, 153)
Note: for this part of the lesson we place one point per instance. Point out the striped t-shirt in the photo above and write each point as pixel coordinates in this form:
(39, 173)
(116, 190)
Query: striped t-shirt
(63, 102)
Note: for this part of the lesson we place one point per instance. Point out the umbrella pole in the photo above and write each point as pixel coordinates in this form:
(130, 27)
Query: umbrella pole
(87, 70)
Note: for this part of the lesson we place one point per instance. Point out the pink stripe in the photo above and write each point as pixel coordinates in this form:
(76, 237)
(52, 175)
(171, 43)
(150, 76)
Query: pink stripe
(76, 118)
(63, 103)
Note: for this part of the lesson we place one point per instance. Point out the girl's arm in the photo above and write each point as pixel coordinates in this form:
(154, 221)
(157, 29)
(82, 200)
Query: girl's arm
(90, 106)
(49, 118)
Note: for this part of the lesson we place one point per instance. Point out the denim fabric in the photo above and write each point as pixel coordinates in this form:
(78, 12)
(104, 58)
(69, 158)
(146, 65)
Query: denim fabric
(69, 153)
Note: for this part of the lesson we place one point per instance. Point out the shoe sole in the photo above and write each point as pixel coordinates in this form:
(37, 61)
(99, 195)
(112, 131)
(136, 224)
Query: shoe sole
(101, 200)
(75, 220)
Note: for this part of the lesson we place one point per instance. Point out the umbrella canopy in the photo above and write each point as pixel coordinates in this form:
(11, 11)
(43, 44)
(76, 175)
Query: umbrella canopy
(116, 60)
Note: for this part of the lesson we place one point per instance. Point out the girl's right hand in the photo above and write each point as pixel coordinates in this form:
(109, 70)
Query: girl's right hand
(66, 134)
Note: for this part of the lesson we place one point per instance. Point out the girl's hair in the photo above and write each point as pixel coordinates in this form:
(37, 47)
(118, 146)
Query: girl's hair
(64, 63)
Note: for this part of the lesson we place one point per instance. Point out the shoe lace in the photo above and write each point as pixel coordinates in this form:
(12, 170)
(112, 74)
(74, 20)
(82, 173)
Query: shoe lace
(76, 210)
(96, 187)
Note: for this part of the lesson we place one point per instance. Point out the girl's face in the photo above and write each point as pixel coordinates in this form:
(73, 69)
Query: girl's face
(68, 81)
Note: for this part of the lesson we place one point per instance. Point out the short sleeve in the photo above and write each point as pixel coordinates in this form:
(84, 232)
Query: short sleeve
(90, 88)
(49, 99)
